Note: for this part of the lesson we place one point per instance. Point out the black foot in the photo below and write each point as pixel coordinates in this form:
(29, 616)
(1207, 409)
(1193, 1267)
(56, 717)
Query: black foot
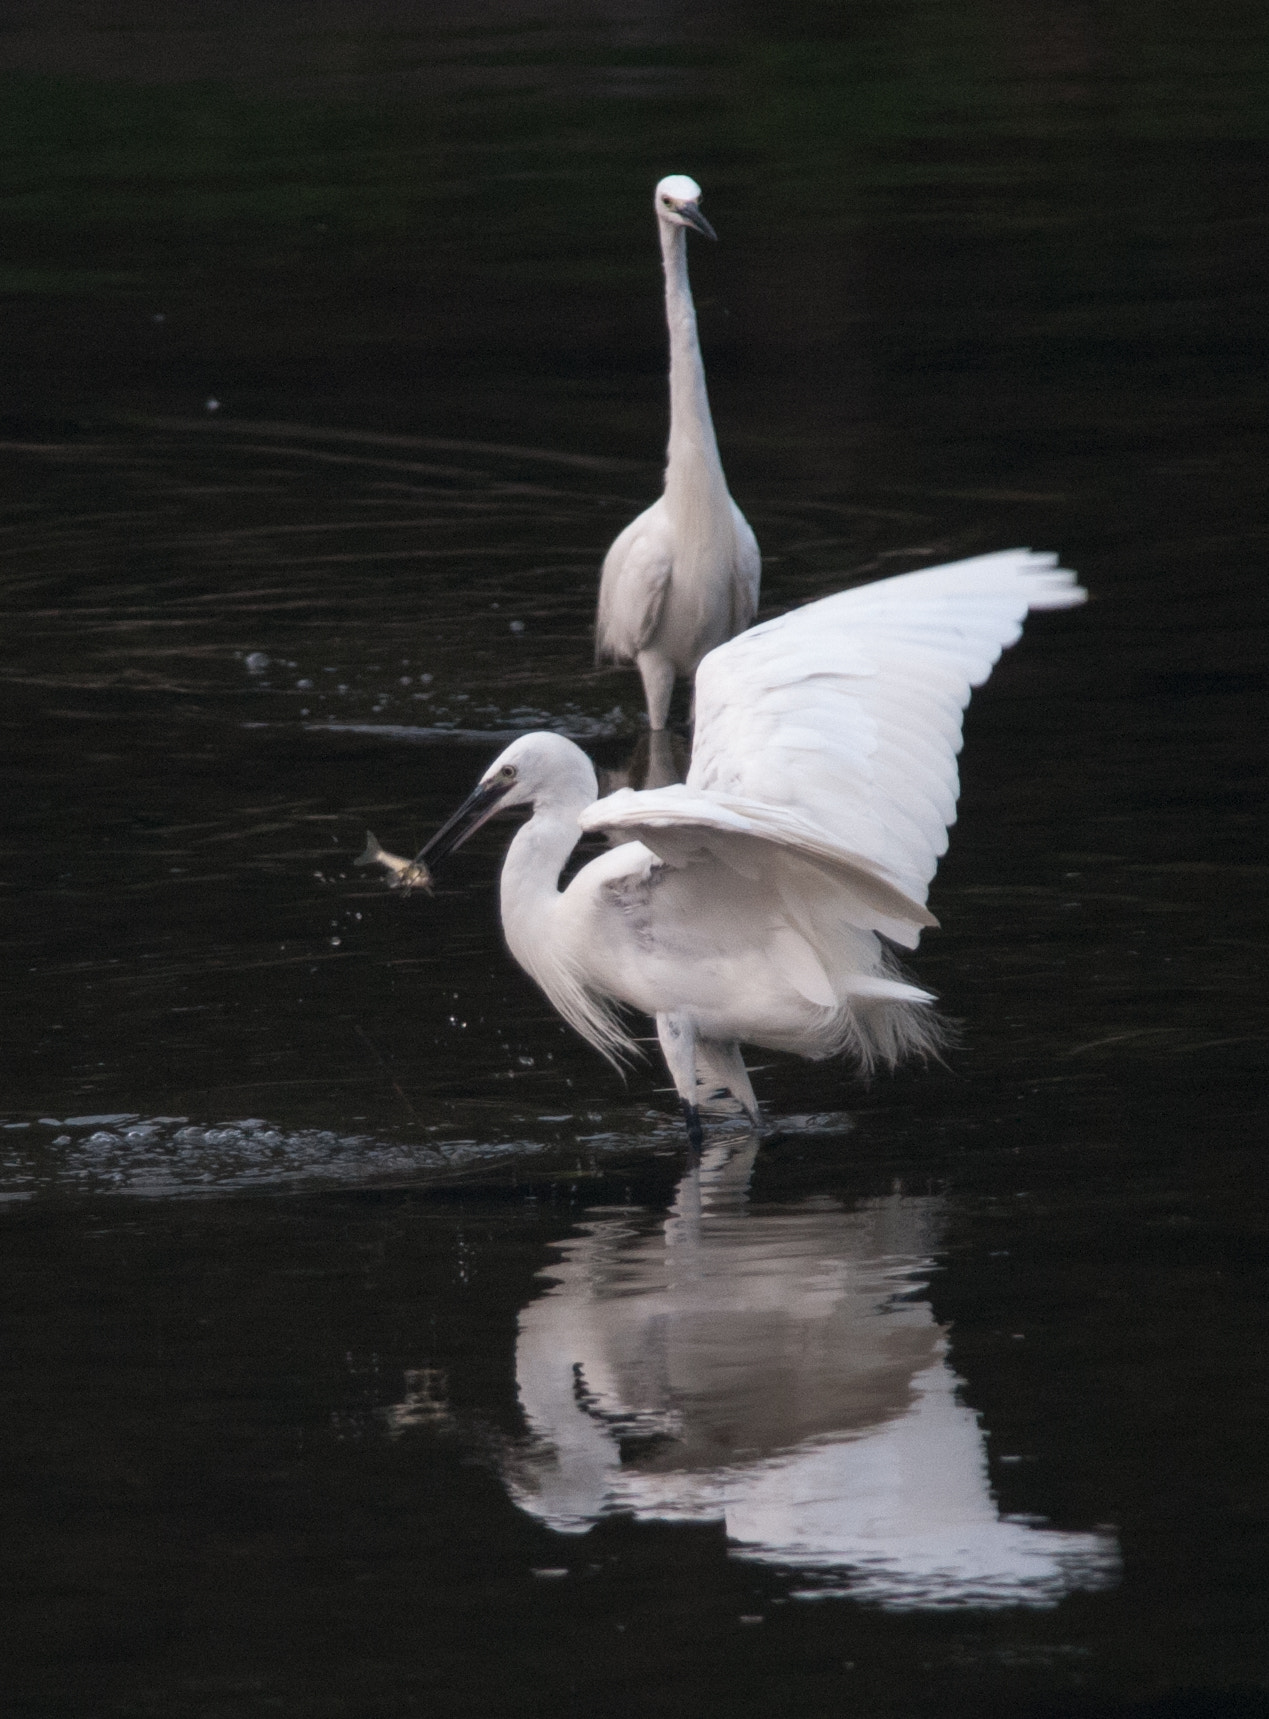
(695, 1134)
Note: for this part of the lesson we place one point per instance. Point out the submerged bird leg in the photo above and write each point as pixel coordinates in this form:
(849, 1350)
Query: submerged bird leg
(695, 1133)
(657, 674)
(719, 1064)
(677, 1033)
(663, 766)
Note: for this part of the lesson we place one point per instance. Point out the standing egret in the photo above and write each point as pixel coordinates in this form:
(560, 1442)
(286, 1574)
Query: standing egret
(683, 576)
(749, 903)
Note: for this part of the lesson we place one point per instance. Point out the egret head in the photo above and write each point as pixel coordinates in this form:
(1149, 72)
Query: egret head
(541, 770)
(676, 204)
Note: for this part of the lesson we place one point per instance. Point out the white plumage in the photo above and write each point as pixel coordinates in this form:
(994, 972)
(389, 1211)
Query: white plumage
(683, 576)
(749, 904)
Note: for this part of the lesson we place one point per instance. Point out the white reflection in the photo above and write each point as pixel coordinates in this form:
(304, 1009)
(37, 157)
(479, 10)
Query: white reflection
(777, 1371)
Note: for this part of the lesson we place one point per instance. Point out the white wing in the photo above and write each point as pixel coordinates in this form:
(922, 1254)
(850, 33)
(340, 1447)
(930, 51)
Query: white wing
(633, 585)
(831, 734)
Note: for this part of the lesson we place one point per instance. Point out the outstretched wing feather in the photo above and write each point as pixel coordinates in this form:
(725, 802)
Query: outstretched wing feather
(880, 675)
(832, 733)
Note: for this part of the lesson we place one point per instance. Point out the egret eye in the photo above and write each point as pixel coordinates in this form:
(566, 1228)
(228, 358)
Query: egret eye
(507, 773)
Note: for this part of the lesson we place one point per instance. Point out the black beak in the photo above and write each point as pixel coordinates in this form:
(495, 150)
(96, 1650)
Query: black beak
(692, 215)
(477, 809)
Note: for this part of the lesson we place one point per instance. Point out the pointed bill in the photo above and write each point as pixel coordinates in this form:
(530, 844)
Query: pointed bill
(691, 214)
(477, 809)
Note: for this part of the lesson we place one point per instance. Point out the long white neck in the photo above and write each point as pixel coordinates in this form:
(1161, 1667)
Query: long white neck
(693, 467)
(529, 886)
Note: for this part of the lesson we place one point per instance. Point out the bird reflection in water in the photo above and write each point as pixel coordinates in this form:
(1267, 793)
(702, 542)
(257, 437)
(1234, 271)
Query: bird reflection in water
(780, 1372)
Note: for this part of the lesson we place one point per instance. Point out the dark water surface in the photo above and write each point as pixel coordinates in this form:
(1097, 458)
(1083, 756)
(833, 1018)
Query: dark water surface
(368, 1347)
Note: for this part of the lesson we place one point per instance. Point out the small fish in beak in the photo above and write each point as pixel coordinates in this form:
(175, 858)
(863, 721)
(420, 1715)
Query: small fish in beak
(403, 873)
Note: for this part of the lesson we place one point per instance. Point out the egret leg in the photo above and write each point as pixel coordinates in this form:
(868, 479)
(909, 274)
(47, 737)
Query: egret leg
(657, 673)
(677, 1033)
(663, 766)
(721, 1065)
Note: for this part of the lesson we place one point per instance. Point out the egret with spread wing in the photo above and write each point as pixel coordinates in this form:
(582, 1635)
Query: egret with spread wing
(750, 903)
(683, 576)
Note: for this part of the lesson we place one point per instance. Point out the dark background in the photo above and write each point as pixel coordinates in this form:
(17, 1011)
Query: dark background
(987, 274)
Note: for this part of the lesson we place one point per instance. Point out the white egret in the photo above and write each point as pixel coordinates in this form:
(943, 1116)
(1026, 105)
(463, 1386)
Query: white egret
(750, 903)
(683, 576)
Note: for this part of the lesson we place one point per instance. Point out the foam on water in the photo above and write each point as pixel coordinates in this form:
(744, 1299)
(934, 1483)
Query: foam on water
(169, 1156)
(175, 1157)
